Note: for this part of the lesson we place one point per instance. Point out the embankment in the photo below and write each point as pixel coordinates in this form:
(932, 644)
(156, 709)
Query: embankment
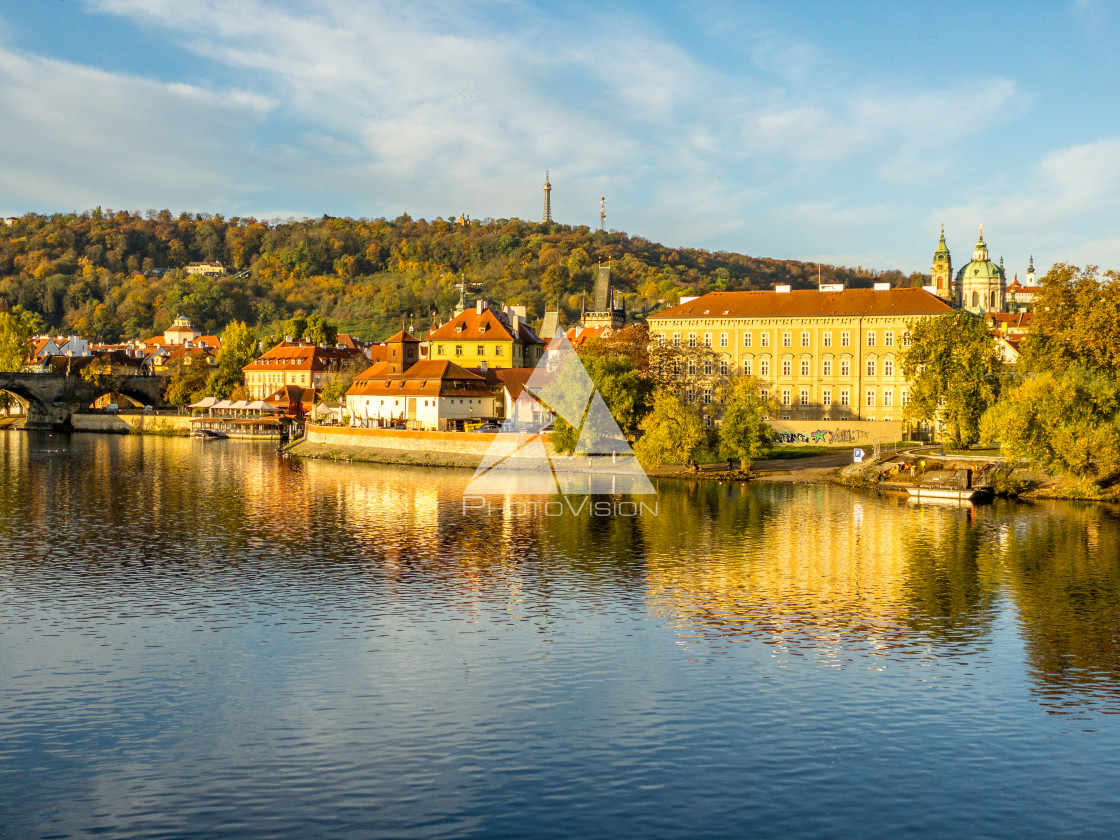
(167, 425)
(394, 446)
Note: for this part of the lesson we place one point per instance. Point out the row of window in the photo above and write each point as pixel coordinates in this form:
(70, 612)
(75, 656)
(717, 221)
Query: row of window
(787, 339)
(480, 350)
(787, 367)
(843, 397)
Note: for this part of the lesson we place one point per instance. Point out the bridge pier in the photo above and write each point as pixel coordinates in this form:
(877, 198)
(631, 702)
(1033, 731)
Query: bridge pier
(48, 418)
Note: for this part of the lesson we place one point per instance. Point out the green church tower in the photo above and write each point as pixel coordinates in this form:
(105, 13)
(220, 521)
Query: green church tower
(941, 275)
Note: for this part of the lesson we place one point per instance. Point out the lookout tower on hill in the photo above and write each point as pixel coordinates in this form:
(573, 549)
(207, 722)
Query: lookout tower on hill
(547, 200)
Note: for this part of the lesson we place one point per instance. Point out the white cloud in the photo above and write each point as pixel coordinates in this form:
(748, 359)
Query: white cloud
(76, 136)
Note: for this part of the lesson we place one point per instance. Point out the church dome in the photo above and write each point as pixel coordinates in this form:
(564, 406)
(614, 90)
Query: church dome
(981, 269)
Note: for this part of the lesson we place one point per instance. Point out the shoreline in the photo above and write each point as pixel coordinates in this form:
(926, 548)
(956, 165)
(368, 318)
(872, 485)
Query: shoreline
(372, 455)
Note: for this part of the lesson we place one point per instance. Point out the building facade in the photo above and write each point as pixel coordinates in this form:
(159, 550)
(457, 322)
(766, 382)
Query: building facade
(430, 395)
(483, 337)
(295, 363)
(821, 355)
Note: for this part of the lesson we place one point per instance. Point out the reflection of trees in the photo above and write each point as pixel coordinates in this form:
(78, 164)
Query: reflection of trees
(1063, 567)
(951, 582)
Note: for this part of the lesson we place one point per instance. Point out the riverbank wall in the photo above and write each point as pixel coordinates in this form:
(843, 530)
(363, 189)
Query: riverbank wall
(168, 425)
(394, 446)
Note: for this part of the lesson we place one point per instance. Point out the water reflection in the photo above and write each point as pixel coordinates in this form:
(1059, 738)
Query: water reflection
(814, 572)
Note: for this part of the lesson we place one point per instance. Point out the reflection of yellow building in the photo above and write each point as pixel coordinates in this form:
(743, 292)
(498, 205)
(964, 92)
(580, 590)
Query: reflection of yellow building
(824, 573)
(834, 354)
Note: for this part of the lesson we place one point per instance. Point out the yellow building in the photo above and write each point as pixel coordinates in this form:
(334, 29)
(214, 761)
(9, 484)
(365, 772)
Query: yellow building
(482, 337)
(832, 354)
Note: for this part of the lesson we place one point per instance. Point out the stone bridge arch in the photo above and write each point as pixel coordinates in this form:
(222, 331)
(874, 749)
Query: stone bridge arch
(52, 397)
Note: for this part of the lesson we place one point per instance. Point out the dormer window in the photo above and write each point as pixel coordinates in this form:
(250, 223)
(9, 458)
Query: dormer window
(458, 328)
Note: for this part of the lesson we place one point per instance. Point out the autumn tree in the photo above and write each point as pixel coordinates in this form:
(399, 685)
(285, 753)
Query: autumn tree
(694, 373)
(672, 432)
(1075, 320)
(954, 371)
(339, 383)
(186, 380)
(16, 330)
(614, 379)
(743, 433)
(1066, 421)
(239, 348)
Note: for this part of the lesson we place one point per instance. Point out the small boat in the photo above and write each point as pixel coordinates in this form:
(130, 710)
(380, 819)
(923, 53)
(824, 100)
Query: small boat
(968, 494)
(207, 434)
(951, 485)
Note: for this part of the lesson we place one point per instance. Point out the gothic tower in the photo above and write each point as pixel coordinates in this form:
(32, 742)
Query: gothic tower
(547, 200)
(1031, 281)
(942, 271)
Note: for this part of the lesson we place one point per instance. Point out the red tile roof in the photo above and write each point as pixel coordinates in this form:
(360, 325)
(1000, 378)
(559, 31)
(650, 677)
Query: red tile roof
(285, 356)
(468, 325)
(432, 378)
(401, 337)
(515, 379)
(809, 304)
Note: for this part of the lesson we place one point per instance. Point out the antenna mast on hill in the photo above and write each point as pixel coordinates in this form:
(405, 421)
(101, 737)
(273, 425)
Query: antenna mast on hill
(603, 213)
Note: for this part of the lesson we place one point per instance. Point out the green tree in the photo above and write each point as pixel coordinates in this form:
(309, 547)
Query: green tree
(239, 348)
(743, 434)
(1067, 421)
(623, 389)
(16, 330)
(318, 330)
(1075, 321)
(338, 384)
(672, 432)
(954, 369)
(187, 382)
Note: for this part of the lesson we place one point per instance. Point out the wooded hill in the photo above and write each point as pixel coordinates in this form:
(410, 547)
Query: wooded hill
(117, 275)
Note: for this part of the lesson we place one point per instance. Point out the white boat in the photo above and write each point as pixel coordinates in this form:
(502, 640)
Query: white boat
(971, 494)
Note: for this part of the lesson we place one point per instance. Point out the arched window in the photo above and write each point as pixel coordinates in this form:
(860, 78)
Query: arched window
(975, 298)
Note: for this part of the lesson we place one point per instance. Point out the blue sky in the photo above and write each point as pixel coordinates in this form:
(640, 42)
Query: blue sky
(834, 132)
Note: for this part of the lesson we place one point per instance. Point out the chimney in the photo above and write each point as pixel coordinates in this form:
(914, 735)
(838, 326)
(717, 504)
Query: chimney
(882, 287)
(479, 305)
(782, 288)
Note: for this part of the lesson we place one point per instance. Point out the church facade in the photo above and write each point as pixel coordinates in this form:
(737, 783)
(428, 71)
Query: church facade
(980, 286)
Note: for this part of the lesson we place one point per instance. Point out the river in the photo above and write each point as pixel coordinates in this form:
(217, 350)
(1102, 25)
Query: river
(206, 639)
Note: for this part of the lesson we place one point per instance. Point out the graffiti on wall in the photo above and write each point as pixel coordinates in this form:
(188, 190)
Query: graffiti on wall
(824, 437)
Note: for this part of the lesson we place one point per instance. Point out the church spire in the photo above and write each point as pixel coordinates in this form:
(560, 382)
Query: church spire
(941, 274)
(547, 200)
(942, 248)
(980, 253)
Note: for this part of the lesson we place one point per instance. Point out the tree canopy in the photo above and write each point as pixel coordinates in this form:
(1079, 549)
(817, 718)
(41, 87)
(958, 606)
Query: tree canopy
(954, 370)
(1061, 408)
(108, 275)
(16, 329)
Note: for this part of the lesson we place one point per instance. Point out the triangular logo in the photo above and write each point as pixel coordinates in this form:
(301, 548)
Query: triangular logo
(603, 462)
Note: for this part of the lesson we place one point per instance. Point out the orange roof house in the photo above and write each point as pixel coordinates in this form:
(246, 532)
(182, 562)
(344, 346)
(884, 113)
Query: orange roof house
(486, 337)
(432, 394)
(295, 363)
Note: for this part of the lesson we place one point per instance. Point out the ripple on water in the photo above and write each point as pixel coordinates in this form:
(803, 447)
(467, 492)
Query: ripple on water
(211, 641)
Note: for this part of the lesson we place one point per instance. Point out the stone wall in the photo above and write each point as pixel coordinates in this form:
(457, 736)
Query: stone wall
(148, 424)
(454, 443)
(835, 433)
